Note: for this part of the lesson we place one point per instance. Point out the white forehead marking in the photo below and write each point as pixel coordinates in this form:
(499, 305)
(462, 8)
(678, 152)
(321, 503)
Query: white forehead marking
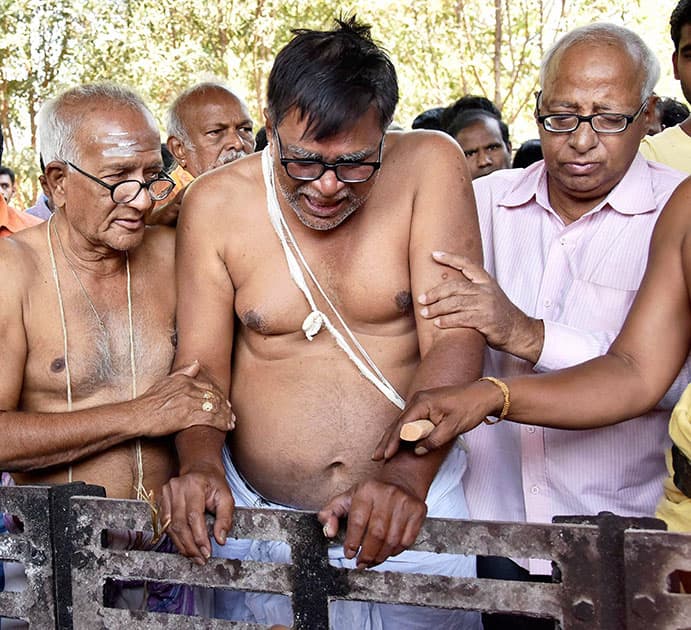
(119, 144)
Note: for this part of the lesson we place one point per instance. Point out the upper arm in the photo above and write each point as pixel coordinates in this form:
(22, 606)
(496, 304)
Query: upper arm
(12, 331)
(205, 293)
(656, 335)
(444, 218)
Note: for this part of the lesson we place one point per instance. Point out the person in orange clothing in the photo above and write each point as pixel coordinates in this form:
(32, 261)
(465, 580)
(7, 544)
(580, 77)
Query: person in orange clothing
(11, 221)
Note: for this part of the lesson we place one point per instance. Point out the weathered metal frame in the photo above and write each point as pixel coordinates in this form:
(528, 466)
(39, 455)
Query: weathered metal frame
(609, 572)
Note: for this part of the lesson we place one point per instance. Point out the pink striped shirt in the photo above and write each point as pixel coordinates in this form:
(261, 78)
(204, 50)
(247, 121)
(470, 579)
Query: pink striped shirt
(581, 280)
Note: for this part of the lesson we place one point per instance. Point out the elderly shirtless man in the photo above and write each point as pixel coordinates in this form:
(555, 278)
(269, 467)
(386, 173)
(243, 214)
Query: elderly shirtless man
(282, 256)
(87, 311)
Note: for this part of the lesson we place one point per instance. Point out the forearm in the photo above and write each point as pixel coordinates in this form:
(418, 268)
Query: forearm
(598, 393)
(200, 448)
(455, 358)
(32, 441)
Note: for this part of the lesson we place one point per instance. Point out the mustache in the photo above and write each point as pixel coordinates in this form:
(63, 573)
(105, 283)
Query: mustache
(231, 156)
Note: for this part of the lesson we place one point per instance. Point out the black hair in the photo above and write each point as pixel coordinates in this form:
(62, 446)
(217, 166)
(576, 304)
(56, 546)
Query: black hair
(469, 101)
(467, 117)
(332, 78)
(672, 112)
(679, 18)
(429, 119)
(530, 151)
(6, 170)
(260, 140)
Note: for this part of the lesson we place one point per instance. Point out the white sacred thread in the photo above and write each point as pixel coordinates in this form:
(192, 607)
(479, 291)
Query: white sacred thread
(142, 494)
(316, 318)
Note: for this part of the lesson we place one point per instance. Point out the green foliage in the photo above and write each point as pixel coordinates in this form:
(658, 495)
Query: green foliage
(442, 49)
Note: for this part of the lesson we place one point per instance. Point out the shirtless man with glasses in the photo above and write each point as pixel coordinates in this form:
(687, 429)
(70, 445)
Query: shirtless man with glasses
(282, 257)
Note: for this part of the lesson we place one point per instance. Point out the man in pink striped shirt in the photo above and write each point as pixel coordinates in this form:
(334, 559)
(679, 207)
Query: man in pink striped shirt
(566, 240)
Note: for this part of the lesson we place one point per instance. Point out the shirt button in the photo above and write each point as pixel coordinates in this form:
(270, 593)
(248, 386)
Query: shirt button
(547, 303)
(534, 490)
(530, 429)
(563, 241)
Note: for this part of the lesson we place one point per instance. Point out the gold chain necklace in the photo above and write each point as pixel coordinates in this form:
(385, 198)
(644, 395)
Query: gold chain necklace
(141, 491)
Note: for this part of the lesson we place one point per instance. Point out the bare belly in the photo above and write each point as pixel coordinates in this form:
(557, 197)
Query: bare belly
(114, 469)
(307, 427)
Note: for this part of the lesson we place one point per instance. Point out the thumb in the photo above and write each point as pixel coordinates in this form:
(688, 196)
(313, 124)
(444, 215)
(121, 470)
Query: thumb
(335, 509)
(190, 370)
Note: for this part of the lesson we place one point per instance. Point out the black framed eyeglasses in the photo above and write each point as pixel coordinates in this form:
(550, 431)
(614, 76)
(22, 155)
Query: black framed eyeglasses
(306, 170)
(600, 123)
(125, 191)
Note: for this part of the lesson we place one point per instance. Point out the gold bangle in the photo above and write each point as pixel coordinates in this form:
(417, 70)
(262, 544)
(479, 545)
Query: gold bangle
(507, 398)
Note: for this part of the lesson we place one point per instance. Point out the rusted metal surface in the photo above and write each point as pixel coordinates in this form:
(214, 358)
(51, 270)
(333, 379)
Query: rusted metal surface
(576, 599)
(606, 574)
(650, 558)
(32, 548)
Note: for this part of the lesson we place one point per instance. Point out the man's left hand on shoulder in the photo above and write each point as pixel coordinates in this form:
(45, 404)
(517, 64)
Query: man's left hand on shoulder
(477, 301)
(383, 520)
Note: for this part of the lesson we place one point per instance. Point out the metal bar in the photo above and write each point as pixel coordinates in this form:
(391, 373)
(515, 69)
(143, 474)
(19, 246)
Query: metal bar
(650, 558)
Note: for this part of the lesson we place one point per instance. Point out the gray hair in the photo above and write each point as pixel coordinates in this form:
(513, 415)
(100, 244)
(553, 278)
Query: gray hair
(174, 124)
(60, 118)
(604, 32)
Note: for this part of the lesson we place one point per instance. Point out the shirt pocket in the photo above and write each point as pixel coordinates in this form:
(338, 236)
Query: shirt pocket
(598, 307)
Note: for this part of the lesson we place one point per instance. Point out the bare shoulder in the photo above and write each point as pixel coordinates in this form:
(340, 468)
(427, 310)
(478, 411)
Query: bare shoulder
(159, 244)
(422, 155)
(21, 253)
(674, 223)
(215, 195)
(422, 145)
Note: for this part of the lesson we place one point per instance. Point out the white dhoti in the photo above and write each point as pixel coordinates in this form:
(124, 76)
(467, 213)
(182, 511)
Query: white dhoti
(445, 499)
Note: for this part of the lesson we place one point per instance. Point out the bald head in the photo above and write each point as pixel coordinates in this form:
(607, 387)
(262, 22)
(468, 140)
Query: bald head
(208, 126)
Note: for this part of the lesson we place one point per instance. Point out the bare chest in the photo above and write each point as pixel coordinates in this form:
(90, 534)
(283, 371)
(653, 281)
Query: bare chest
(367, 284)
(90, 345)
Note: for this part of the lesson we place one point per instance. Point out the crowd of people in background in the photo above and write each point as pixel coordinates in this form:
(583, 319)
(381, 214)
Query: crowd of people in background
(199, 324)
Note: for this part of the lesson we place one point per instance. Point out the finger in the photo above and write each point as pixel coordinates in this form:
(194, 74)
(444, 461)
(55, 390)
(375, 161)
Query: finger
(445, 432)
(197, 525)
(221, 504)
(471, 270)
(334, 510)
(374, 522)
(416, 409)
(174, 513)
(358, 519)
(464, 300)
(392, 543)
(189, 370)
(392, 430)
(412, 528)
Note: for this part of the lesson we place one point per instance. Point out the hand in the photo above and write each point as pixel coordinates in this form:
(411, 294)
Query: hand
(182, 400)
(184, 501)
(383, 520)
(477, 301)
(453, 409)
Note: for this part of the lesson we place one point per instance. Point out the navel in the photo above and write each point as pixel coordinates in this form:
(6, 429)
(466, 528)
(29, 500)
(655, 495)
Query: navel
(58, 365)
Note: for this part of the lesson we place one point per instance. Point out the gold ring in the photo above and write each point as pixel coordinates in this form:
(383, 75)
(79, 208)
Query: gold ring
(208, 395)
(207, 406)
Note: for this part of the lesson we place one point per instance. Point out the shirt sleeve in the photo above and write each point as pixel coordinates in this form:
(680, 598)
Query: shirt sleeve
(565, 346)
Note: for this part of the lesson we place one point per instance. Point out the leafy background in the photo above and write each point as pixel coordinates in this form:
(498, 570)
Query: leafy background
(442, 49)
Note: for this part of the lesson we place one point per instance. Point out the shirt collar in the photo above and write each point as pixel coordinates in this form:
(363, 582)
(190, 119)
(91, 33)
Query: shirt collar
(632, 195)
